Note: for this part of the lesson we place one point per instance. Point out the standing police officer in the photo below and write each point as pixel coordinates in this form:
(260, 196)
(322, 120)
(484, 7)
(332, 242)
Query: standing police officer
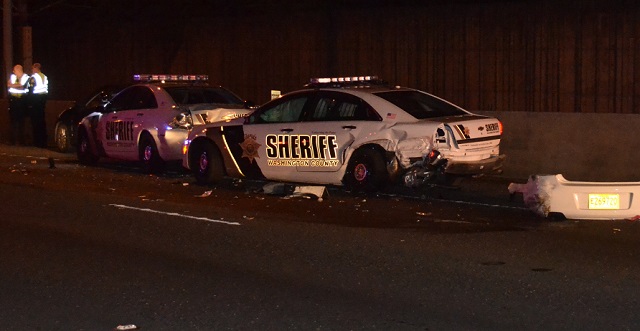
(39, 89)
(18, 88)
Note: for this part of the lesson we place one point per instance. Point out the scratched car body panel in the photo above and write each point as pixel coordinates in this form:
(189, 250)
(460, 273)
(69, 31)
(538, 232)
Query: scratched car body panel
(554, 194)
(361, 135)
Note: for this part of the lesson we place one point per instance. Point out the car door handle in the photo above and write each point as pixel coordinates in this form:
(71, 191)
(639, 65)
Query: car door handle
(348, 127)
(286, 130)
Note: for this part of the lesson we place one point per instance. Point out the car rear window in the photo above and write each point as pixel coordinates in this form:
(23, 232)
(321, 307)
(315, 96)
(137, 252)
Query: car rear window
(421, 105)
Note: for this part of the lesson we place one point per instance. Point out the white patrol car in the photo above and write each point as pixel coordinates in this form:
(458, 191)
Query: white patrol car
(149, 121)
(355, 131)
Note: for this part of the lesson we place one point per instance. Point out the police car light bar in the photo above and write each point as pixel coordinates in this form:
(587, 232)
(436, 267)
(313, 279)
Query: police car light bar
(343, 79)
(173, 78)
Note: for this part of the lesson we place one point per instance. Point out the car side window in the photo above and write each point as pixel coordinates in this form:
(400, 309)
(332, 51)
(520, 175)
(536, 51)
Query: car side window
(144, 99)
(136, 97)
(342, 107)
(281, 112)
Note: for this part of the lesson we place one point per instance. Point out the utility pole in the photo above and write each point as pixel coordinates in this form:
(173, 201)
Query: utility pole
(7, 43)
(25, 34)
(7, 38)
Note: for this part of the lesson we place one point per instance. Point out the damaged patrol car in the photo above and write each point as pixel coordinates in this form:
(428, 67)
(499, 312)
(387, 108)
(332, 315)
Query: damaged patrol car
(352, 131)
(149, 121)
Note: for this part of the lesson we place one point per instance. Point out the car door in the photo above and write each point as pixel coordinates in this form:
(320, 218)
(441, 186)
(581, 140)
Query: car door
(270, 135)
(120, 127)
(330, 126)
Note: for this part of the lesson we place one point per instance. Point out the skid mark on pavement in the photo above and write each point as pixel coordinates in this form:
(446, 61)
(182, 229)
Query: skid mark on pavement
(174, 214)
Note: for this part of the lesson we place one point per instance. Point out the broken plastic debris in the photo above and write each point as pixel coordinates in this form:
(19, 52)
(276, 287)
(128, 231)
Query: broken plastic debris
(248, 217)
(34, 161)
(420, 213)
(535, 193)
(126, 327)
(274, 188)
(185, 184)
(204, 195)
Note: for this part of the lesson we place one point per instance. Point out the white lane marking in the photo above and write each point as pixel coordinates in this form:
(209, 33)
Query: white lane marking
(174, 214)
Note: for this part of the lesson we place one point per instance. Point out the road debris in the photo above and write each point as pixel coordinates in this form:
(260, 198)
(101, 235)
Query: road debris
(127, 327)
(274, 188)
(204, 195)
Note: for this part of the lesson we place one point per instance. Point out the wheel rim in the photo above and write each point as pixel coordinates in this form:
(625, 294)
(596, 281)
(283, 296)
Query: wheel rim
(203, 162)
(61, 137)
(147, 154)
(360, 172)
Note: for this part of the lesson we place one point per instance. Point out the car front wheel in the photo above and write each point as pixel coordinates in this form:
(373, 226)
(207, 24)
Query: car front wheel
(85, 155)
(206, 164)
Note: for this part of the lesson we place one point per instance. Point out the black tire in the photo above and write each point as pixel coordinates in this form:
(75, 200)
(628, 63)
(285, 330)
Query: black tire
(84, 152)
(62, 135)
(366, 171)
(206, 163)
(149, 156)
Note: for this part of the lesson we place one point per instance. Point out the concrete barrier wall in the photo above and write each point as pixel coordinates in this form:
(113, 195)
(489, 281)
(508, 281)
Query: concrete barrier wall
(589, 147)
(592, 147)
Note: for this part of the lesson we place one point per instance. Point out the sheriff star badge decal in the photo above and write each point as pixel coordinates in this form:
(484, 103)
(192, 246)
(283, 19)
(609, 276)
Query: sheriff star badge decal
(250, 147)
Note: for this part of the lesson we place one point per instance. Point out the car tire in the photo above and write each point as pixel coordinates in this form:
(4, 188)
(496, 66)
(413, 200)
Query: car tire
(62, 136)
(84, 152)
(366, 171)
(207, 165)
(149, 156)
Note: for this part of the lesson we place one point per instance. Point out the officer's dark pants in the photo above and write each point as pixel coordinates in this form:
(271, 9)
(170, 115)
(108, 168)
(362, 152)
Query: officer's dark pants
(37, 113)
(17, 112)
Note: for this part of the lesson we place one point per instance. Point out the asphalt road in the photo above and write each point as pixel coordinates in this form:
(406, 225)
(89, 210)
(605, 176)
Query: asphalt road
(92, 248)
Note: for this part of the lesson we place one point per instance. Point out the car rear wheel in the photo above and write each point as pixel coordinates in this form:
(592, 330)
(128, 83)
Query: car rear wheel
(366, 171)
(149, 156)
(206, 164)
(63, 137)
(85, 155)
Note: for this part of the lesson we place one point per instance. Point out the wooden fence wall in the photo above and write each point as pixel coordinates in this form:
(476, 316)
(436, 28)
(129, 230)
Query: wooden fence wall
(529, 56)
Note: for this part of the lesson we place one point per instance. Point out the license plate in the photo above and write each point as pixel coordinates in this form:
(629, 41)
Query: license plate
(604, 201)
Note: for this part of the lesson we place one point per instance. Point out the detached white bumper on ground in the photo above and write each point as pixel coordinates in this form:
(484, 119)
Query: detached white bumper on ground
(553, 194)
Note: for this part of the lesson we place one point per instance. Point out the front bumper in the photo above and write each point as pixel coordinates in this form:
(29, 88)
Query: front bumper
(486, 166)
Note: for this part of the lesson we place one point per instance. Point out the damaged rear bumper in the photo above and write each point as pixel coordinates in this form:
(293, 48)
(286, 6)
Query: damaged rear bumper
(553, 194)
(486, 166)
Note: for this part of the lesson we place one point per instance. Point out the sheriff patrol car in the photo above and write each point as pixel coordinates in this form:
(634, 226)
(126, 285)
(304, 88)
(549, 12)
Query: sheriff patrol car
(149, 121)
(355, 131)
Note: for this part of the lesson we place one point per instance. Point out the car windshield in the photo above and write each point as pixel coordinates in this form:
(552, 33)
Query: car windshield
(190, 96)
(421, 105)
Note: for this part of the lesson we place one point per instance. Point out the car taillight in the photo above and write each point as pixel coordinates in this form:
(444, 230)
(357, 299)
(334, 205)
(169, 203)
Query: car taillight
(500, 126)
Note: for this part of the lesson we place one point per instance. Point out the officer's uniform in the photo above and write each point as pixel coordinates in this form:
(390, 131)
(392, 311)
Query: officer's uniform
(38, 91)
(18, 107)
